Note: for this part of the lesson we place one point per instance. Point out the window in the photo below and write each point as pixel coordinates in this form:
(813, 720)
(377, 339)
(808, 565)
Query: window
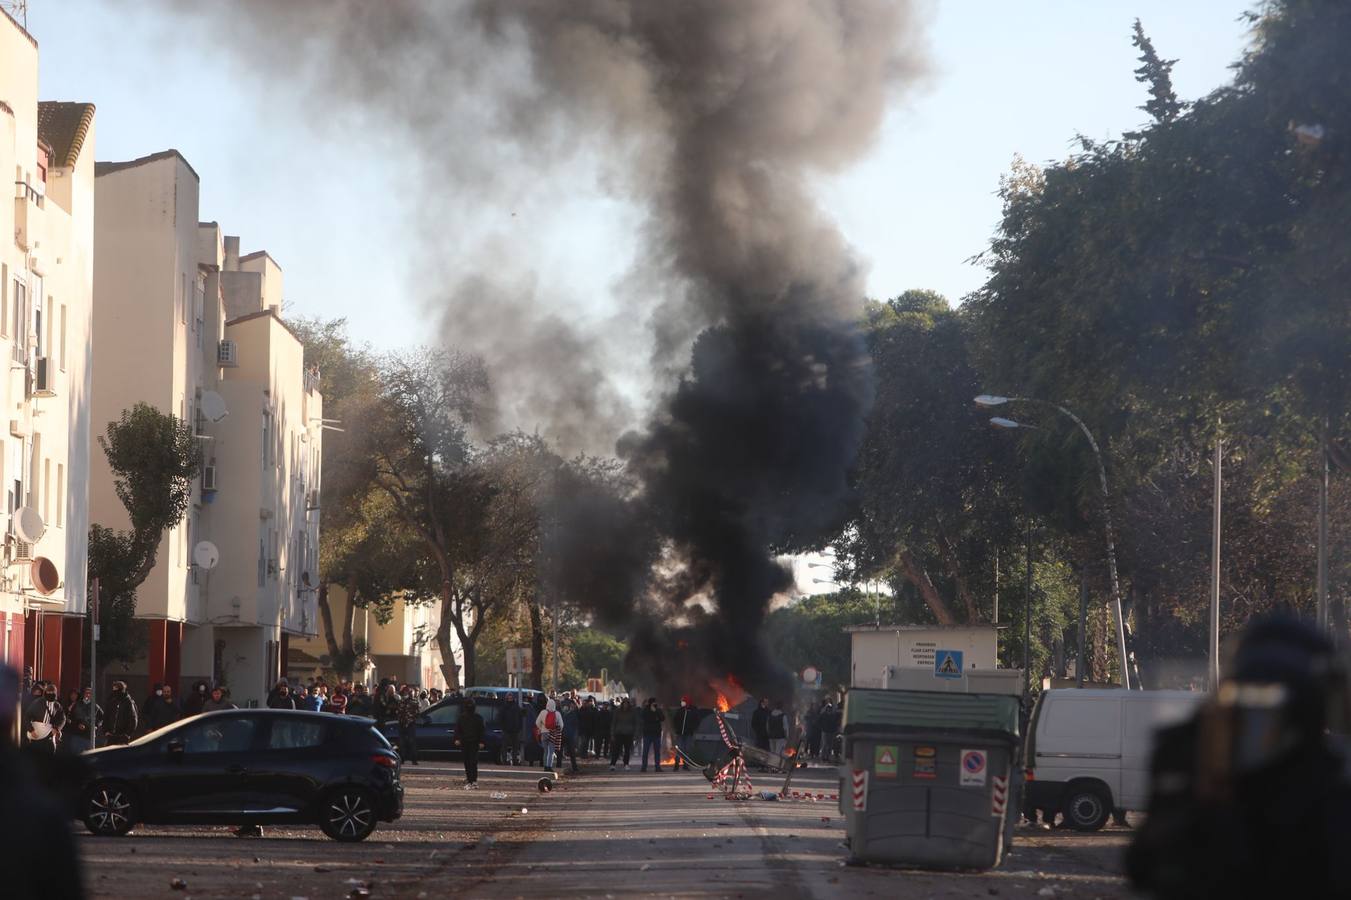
(60, 494)
(267, 439)
(445, 715)
(47, 348)
(292, 734)
(63, 337)
(262, 564)
(46, 489)
(233, 734)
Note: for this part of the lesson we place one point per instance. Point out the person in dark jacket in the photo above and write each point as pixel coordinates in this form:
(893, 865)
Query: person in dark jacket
(359, 703)
(652, 720)
(760, 725)
(196, 698)
(586, 726)
(604, 718)
(778, 728)
(469, 736)
(813, 722)
(161, 710)
(569, 712)
(85, 722)
(387, 704)
(407, 715)
(217, 701)
(280, 697)
(830, 730)
(46, 718)
(683, 723)
(512, 719)
(122, 720)
(623, 728)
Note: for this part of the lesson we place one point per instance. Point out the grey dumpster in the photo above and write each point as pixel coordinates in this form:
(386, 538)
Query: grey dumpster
(930, 779)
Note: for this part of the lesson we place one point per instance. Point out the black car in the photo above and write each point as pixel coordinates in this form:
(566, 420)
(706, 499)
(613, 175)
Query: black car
(248, 767)
(436, 728)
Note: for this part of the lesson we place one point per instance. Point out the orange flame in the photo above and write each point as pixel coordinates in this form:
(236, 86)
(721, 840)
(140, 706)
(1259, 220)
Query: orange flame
(790, 752)
(723, 703)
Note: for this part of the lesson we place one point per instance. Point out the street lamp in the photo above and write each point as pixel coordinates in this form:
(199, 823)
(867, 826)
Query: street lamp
(992, 400)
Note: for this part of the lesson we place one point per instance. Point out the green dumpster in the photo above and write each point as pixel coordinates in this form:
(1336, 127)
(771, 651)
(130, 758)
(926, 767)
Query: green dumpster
(930, 779)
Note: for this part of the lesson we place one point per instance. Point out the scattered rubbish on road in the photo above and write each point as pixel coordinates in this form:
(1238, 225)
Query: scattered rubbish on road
(178, 884)
(644, 867)
(488, 841)
(825, 819)
(524, 810)
(768, 795)
(499, 795)
(1047, 891)
(360, 893)
(322, 869)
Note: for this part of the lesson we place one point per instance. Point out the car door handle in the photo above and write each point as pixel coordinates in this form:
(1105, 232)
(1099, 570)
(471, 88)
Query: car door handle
(236, 770)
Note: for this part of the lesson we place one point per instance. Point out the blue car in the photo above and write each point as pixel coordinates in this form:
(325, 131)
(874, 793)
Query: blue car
(436, 729)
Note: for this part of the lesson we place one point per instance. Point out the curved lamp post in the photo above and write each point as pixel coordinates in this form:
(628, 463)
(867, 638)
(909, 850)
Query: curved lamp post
(992, 400)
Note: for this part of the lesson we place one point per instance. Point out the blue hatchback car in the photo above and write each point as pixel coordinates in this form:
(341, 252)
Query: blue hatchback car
(436, 729)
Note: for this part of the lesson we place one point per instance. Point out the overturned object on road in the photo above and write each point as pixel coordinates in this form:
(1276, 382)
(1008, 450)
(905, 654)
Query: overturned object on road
(930, 779)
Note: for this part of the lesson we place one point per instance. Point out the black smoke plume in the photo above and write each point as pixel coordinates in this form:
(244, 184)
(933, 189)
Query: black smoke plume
(715, 116)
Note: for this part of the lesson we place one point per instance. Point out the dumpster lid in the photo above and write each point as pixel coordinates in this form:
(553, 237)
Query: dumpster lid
(865, 707)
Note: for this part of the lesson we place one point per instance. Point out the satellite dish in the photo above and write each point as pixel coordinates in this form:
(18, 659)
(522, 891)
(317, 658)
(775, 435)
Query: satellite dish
(212, 406)
(205, 555)
(45, 576)
(29, 524)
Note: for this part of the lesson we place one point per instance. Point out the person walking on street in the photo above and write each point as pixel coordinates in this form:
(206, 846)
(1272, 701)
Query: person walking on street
(570, 729)
(217, 701)
(652, 719)
(813, 722)
(684, 722)
(511, 718)
(281, 698)
(549, 724)
(604, 719)
(86, 722)
(586, 726)
(123, 719)
(760, 725)
(196, 699)
(778, 728)
(46, 718)
(830, 729)
(407, 715)
(163, 710)
(623, 728)
(469, 735)
(387, 704)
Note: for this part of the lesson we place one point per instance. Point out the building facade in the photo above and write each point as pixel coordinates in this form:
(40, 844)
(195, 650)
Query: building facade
(403, 648)
(185, 324)
(46, 272)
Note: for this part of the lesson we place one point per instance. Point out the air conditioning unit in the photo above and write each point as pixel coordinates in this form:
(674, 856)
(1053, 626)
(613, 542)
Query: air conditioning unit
(209, 478)
(227, 354)
(42, 377)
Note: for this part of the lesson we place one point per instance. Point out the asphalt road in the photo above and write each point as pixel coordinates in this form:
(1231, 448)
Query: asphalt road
(599, 834)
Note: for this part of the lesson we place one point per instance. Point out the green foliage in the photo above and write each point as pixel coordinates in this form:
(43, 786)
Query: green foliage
(1163, 104)
(154, 459)
(594, 650)
(809, 631)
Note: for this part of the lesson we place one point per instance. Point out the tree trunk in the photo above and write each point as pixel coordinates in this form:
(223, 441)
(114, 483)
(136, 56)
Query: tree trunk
(326, 617)
(916, 575)
(536, 646)
(348, 621)
(449, 669)
(955, 571)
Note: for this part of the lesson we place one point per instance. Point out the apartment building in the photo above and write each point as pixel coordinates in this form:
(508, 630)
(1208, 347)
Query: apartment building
(46, 271)
(186, 324)
(404, 647)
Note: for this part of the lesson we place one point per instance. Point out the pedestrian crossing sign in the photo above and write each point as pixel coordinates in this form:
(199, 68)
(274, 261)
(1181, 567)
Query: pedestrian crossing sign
(947, 664)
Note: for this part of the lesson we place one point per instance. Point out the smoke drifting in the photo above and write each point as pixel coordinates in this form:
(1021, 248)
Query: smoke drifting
(713, 116)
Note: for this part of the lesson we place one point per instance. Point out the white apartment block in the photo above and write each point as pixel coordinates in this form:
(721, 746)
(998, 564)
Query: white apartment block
(46, 271)
(183, 323)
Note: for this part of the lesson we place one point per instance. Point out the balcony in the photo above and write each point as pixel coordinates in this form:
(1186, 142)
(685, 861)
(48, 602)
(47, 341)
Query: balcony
(28, 202)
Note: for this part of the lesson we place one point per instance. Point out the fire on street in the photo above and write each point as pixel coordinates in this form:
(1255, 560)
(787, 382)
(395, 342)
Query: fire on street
(598, 834)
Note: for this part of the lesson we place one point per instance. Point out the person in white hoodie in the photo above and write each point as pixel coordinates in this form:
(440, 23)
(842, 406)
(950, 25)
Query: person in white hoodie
(549, 724)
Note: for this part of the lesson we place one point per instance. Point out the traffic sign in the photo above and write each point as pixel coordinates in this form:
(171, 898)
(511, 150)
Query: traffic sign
(973, 768)
(947, 664)
(884, 761)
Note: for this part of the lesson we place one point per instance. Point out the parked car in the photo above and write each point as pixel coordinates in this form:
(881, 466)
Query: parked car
(247, 767)
(1088, 751)
(436, 729)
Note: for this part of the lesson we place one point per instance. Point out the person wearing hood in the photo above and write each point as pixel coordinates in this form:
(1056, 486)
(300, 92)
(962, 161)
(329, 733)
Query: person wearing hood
(549, 725)
(511, 719)
(623, 728)
(652, 718)
(217, 701)
(86, 722)
(568, 709)
(162, 710)
(46, 719)
(760, 725)
(683, 723)
(469, 736)
(778, 728)
(196, 698)
(122, 719)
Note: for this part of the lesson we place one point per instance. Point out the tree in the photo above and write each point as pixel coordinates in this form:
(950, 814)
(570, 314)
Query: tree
(1163, 104)
(154, 459)
(594, 651)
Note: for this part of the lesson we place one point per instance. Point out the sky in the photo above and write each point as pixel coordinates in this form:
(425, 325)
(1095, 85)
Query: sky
(336, 206)
(337, 203)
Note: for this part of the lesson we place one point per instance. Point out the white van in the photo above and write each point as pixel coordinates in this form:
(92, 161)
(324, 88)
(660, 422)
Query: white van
(1087, 752)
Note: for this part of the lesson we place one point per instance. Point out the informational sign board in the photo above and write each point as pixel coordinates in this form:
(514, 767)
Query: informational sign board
(519, 661)
(925, 763)
(973, 768)
(947, 664)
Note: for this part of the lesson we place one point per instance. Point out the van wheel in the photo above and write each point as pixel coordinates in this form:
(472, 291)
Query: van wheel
(1087, 807)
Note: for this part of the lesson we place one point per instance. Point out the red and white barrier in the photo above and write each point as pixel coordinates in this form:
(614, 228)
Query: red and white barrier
(860, 790)
(999, 794)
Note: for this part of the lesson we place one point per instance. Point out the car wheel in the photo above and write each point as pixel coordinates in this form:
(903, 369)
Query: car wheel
(348, 814)
(109, 809)
(1087, 807)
